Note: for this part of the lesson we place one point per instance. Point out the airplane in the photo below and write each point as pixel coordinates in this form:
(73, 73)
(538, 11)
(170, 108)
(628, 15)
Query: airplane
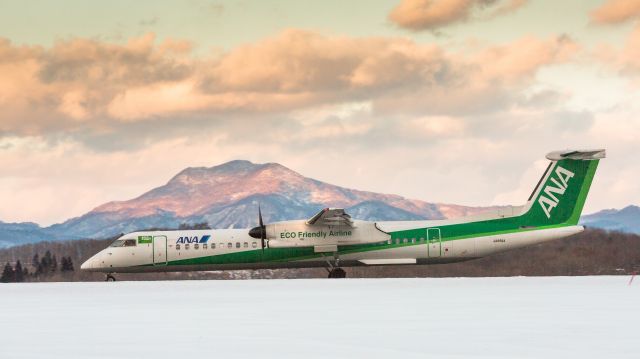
(334, 240)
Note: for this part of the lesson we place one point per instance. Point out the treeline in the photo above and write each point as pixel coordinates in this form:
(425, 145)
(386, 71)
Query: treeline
(47, 265)
(592, 252)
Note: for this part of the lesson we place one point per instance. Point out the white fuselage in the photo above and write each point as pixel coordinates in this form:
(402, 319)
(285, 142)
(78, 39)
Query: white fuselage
(184, 250)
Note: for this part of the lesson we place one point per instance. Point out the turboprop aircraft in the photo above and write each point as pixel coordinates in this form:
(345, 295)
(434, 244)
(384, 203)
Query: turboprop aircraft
(332, 239)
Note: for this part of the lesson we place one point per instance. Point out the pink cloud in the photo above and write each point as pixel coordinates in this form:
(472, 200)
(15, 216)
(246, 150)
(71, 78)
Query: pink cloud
(616, 11)
(82, 84)
(433, 14)
(520, 60)
(624, 60)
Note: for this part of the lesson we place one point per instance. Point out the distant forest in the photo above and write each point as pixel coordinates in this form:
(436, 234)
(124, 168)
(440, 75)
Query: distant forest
(593, 252)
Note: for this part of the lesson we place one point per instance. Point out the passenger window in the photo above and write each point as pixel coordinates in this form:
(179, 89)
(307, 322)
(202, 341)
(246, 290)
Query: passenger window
(254, 244)
(204, 246)
(178, 246)
(246, 245)
(195, 246)
(229, 245)
(186, 246)
(237, 244)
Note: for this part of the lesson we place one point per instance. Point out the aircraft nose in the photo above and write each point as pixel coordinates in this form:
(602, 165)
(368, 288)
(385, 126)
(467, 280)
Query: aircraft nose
(88, 264)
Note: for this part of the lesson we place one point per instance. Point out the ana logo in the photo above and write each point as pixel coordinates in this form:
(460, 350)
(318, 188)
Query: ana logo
(550, 201)
(194, 239)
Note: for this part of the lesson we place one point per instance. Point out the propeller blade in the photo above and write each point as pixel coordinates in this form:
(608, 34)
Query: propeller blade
(263, 230)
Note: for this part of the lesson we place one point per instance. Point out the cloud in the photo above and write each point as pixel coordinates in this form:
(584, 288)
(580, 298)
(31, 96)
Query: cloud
(51, 89)
(145, 102)
(433, 14)
(298, 69)
(490, 80)
(628, 60)
(624, 60)
(86, 87)
(616, 11)
(302, 68)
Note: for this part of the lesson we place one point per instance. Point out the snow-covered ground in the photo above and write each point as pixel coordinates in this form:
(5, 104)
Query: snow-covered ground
(561, 317)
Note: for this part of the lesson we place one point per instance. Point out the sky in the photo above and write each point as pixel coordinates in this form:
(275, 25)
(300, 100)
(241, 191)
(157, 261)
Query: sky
(451, 101)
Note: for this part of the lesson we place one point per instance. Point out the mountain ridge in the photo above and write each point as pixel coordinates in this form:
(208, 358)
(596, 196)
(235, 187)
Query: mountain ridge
(626, 219)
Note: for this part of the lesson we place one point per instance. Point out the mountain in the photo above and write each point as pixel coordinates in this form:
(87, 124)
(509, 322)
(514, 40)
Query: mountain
(380, 211)
(227, 196)
(19, 233)
(625, 220)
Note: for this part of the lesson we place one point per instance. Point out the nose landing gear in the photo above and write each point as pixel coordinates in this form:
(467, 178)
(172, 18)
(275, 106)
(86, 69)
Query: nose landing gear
(110, 278)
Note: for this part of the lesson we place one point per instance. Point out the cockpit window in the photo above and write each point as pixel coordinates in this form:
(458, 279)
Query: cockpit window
(123, 243)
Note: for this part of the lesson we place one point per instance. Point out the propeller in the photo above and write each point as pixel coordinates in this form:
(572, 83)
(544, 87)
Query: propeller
(260, 231)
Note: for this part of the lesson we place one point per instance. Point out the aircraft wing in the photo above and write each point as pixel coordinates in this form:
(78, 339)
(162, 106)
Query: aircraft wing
(331, 217)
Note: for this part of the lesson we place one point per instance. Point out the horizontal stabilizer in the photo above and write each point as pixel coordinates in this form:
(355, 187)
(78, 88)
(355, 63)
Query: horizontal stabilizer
(586, 155)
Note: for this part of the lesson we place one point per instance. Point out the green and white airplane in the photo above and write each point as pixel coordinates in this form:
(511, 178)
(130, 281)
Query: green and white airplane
(333, 240)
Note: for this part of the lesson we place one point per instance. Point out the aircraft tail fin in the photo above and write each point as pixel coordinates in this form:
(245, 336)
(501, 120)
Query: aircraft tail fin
(561, 192)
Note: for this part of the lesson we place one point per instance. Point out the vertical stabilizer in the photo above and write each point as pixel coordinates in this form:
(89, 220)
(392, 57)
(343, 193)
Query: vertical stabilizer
(562, 191)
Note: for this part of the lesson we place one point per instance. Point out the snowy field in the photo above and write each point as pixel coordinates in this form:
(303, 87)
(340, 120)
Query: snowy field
(560, 317)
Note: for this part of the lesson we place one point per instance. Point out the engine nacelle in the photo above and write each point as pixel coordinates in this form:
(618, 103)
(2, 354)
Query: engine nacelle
(300, 234)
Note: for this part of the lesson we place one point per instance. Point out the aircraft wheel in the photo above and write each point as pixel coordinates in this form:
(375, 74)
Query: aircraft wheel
(110, 278)
(337, 273)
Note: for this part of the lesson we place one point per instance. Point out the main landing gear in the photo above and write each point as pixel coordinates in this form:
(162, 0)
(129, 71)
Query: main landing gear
(337, 273)
(110, 278)
(334, 269)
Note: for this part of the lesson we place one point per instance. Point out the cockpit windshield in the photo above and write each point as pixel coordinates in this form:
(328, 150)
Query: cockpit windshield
(123, 243)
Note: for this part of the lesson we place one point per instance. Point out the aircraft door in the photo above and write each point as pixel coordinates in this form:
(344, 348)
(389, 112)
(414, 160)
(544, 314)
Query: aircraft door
(434, 241)
(159, 250)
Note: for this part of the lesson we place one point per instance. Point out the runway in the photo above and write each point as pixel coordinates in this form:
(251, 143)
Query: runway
(516, 317)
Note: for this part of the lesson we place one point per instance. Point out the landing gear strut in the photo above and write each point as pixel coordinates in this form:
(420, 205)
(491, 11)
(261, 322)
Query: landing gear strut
(334, 269)
(110, 278)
